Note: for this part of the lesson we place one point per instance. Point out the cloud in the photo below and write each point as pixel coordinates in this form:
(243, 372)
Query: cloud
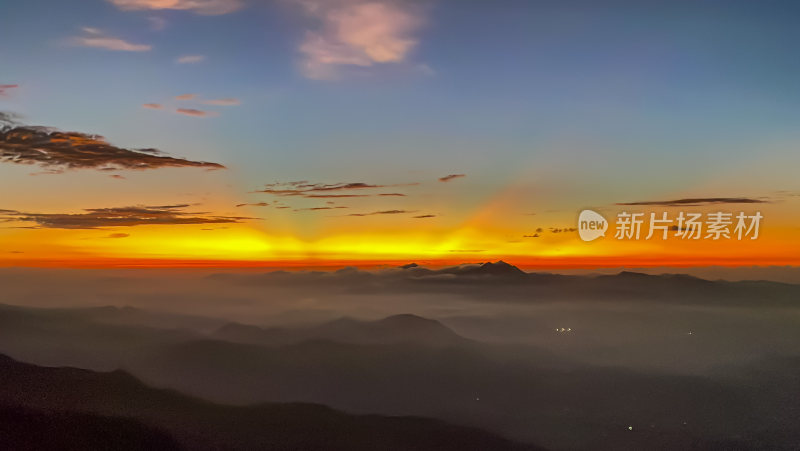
(190, 59)
(4, 88)
(95, 38)
(195, 113)
(204, 7)
(334, 196)
(392, 195)
(316, 190)
(424, 216)
(94, 218)
(157, 23)
(118, 235)
(564, 230)
(152, 106)
(384, 212)
(257, 204)
(57, 150)
(222, 102)
(358, 33)
(535, 235)
(694, 202)
(185, 97)
(117, 176)
(447, 178)
(319, 208)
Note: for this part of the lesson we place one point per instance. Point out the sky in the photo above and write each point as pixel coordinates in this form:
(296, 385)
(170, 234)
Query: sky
(369, 132)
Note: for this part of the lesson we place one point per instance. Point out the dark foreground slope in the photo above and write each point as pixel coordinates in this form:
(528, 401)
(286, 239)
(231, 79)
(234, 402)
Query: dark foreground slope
(119, 404)
(36, 430)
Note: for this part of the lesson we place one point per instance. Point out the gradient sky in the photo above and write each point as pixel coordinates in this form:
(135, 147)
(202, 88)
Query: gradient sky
(545, 108)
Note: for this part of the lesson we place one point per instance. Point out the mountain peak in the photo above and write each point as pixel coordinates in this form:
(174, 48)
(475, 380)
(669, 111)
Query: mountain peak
(499, 268)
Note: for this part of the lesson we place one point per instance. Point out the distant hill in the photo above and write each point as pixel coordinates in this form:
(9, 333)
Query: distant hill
(404, 328)
(501, 281)
(47, 400)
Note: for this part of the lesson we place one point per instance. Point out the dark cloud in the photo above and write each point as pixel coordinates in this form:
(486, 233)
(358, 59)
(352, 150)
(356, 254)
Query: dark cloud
(447, 178)
(118, 235)
(564, 230)
(326, 190)
(304, 188)
(257, 204)
(392, 195)
(334, 196)
(535, 235)
(693, 202)
(384, 212)
(59, 150)
(119, 217)
(424, 216)
(319, 208)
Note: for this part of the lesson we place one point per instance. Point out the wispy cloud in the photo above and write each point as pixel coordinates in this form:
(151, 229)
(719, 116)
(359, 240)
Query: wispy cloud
(94, 218)
(152, 106)
(4, 89)
(186, 97)
(320, 208)
(157, 23)
(447, 178)
(317, 190)
(222, 102)
(190, 59)
(358, 33)
(95, 38)
(256, 204)
(57, 150)
(118, 235)
(204, 7)
(195, 113)
(383, 212)
(693, 202)
(424, 216)
(335, 196)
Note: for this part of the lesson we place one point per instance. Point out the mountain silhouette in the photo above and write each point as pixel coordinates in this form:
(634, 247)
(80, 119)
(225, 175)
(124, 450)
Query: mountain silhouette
(90, 400)
(28, 429)
(403, 328)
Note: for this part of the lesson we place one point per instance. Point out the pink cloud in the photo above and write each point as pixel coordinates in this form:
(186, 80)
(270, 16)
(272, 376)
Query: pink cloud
(4, 88)
(204, 7)
(95, 38)
(152, 106)
(195, 113)
(359, 33)
(190, 59)
(223, 102)
(185, 97)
